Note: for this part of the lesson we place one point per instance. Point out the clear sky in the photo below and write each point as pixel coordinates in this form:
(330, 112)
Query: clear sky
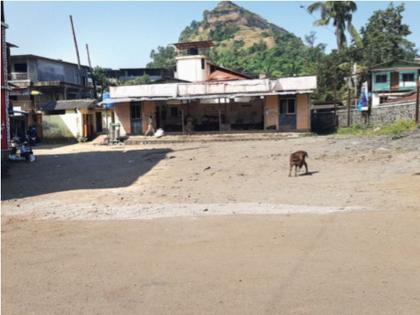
(122, 34)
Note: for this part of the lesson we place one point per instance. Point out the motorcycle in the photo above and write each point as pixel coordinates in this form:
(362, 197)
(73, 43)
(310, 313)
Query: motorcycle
(21, 151)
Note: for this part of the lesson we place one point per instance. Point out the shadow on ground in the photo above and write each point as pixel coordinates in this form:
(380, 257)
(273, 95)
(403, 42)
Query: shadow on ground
(310, 173)
(85, 170)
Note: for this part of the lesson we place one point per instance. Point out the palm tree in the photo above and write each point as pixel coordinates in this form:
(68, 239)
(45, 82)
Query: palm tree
(340, 12)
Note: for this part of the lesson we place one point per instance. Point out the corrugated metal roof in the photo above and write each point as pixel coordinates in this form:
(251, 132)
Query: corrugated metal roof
(197, 44)
(199, 90)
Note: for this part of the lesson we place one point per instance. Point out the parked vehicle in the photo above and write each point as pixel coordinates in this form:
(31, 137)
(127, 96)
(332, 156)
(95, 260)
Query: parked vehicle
(21, 151)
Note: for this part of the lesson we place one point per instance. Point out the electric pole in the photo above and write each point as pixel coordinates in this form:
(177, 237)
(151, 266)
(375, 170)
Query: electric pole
(91, 71)
(77, 54)
(88, 56)
(75, 42)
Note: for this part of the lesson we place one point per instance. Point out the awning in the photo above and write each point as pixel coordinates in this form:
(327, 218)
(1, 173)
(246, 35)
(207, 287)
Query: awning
(68, 104)
(113, 101)
(210, 89)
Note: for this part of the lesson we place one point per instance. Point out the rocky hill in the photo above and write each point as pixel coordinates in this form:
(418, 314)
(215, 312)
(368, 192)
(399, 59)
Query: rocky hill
(228, 23)
(245, 42)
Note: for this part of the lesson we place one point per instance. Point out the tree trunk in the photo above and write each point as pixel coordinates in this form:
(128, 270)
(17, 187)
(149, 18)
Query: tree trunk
(338, 37)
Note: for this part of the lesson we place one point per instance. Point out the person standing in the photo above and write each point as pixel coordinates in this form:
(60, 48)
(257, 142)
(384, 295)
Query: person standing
(150, 127)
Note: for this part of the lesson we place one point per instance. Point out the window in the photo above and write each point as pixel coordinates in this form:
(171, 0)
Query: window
(21, 67)
(203, 64)
(174, 111)
(383, 99)
(408, 77)
(287, 106)
(381, 78)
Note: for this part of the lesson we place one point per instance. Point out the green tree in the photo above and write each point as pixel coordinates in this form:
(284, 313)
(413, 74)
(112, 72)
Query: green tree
(144, 79)
(341, 14)
(189, 31)
(384, 37)
(162, 57)
(101, 79)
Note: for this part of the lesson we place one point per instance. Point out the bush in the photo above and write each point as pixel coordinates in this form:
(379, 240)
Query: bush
(353, 130)
(396, 128)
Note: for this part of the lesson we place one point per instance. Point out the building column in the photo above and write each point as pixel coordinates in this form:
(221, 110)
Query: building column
(271, 111)
(303, 112)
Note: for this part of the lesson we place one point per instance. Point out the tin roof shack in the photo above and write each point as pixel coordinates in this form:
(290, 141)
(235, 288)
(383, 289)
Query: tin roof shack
(259, 104)
(324, 116)
(69, 120)
(393, 80)
(39, 80)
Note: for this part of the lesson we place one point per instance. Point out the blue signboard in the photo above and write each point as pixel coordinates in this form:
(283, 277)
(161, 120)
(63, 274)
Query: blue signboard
(105, 98)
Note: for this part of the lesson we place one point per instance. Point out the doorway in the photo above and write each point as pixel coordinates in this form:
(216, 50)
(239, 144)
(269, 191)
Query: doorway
(135, 118)
(395, 81)
(287, 116)
(88, 131)
(98, 116)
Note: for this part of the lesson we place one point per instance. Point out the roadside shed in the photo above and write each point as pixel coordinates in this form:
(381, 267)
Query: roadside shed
(69, 119)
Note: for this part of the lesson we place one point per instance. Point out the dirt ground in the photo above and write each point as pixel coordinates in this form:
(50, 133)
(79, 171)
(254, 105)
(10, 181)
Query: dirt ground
(211, 227)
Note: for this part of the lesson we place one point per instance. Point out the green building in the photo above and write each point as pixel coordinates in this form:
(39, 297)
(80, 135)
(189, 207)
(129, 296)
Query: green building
(393, 80)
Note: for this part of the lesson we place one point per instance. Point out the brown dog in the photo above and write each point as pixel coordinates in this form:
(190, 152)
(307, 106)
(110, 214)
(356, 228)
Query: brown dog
(297, 159)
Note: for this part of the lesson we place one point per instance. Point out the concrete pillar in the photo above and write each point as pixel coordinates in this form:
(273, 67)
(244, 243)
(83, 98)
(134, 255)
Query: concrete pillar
(303, 112)
(271, 112)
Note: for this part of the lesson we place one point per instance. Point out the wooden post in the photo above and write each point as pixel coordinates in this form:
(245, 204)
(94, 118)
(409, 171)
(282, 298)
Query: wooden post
(348, 104)
(417, 100)
(182, 117)
(106, 120)
(220, 116)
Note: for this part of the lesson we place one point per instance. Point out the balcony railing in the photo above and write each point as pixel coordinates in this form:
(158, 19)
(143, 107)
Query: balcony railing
(19, 76)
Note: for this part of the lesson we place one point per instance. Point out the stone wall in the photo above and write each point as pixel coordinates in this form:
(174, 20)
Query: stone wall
(378, 116)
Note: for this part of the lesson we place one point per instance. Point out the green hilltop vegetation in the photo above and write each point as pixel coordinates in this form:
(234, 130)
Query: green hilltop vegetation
(248, 43)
